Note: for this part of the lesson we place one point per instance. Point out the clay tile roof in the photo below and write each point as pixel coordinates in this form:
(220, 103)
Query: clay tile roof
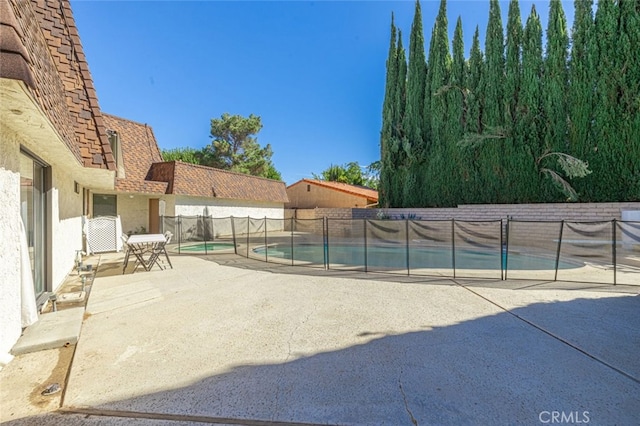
(362, 191)
(139, 151)
(201, 181)
(61, 82)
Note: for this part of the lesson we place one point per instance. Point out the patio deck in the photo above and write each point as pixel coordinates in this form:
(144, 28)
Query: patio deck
(223, 339)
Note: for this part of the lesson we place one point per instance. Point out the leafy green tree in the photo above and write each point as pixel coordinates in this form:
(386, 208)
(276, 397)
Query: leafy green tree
(351, 173)
(186, 155)
(234, 147)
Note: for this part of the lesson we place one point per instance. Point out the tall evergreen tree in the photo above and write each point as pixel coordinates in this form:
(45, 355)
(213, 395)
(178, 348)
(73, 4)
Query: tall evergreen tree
(515, 156)
(399, 144)
(456, 107)
(492, 92)
(629, 101)
(513, 67)
(580, 95)
(473, 124)
(554, 85)
(529, 126)
(388, 115)
(438, 174)
(414, 112)
(603, 183)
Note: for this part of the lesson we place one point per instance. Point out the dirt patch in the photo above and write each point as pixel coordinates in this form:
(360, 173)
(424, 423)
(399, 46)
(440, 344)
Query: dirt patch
(59, 374)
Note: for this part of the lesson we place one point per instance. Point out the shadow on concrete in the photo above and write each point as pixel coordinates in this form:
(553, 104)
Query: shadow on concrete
(574, 357)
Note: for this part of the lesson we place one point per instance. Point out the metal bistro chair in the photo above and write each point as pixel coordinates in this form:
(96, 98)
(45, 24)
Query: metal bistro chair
(157, 250)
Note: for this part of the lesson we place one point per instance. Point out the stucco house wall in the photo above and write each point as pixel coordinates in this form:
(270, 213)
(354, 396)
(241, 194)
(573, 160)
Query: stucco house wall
(194, 206)
(65, 225)
(10, 297)
(309, 196)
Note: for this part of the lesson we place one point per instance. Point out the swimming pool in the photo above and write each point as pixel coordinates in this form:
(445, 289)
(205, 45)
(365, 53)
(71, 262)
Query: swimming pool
(395, 257)
(204, 247)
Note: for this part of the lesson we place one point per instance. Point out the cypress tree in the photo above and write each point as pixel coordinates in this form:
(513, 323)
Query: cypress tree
(580, 91)
(528, 125)
(473, 124)
(399, 145)
(554, 87)
(603, 182)
(492, 92)
(388, 115)
(456, 105)
(414, 118)
(513, 66)
(514, 155)
(438, 160)
(629, 101)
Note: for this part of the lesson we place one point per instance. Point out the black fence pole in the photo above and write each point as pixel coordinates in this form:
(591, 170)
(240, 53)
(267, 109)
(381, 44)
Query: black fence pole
(364, 227)
(614, 253)
(292, 263)
(248, 229)
(453, 246)
(266, 245)
(204, 232)
(506, 253)
(233, 234)
(502, 263)
(179, 232)
(325, 237)
(555, 278)
(406, 238)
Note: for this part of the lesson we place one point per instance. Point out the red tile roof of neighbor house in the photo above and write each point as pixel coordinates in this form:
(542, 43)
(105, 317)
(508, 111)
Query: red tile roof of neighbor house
(202, 181)
(139, 150)
(40, 46)
(361, 191)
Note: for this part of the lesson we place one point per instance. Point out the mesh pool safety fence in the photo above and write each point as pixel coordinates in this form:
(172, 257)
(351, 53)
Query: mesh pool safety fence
(597, 252)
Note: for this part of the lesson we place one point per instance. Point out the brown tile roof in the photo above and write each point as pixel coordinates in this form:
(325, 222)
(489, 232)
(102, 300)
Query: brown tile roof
(62, 83)
(139, 151)
(13, 55)
(201, 181)
(361, 191)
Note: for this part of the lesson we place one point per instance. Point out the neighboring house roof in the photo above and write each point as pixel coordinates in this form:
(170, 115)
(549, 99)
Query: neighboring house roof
(360, 191)
(139, 150)
(201, 181)
(40, 46)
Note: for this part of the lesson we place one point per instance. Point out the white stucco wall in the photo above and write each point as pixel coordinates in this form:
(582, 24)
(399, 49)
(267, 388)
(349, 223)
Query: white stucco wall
(194, 206)
(10, 326)
(66, 221)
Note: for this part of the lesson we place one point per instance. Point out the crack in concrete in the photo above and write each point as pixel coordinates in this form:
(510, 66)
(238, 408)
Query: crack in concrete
(404, 398)
(284, 363)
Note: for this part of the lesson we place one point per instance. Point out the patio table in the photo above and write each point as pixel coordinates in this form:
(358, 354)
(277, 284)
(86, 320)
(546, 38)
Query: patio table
(141, 244)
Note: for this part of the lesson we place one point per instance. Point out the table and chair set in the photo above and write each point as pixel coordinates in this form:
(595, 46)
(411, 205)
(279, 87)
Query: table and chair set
(148, 250)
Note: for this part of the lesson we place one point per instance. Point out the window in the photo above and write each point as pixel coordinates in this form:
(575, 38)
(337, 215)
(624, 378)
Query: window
(308, 188)
(116, 149)
(104, 205)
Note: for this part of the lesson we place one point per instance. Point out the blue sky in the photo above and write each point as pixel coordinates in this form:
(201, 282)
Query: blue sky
(313, 71)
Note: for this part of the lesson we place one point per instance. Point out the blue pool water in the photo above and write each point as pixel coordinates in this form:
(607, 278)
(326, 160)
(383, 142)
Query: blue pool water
(202, 247)
(419, 257)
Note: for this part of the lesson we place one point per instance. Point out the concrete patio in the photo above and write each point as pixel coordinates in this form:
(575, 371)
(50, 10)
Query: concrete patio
(226, 340)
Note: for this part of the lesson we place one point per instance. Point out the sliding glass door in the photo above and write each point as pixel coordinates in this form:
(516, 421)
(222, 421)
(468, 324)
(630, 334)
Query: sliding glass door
(33, 208)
